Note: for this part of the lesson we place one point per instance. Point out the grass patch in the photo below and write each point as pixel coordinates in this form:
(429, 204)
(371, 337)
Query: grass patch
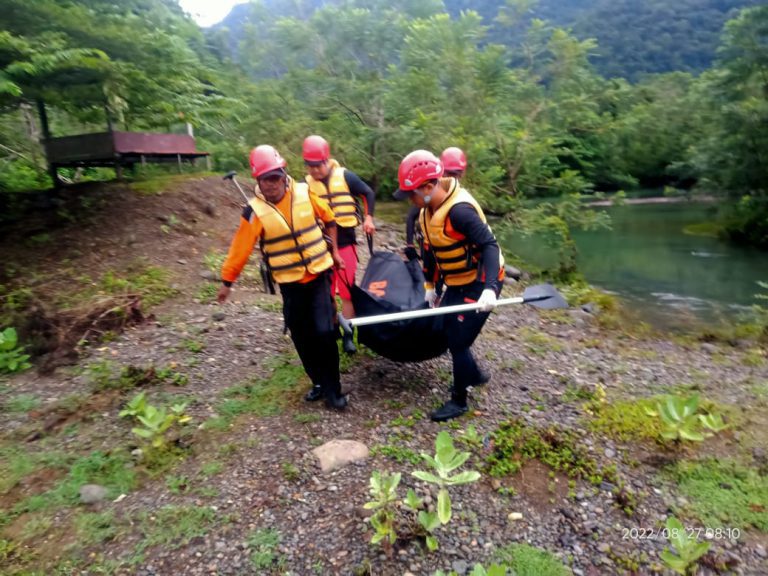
(625, 420)
(525, 560)
(262, 396)
(724, 493)
(264, 544)
(174, 526)
(151, 283)
(307, 418)
(108, 470)
(538, 342)
(515, 443)
(17, 463)
(95, 528)
(154, 184)
(21, 403)
(397, 451)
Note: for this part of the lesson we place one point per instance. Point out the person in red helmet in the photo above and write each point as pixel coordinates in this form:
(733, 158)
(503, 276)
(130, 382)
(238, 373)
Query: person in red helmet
(283, 217)
(342, 189)
(461, 251)
(454, 164)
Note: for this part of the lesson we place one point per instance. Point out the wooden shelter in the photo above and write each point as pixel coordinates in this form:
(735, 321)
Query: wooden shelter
(120, 149)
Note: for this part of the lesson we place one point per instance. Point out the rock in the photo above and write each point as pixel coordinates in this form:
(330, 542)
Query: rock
(218, 316)
(709, 348)
(338, 453)
(460, 567)
(208, 275)
(590, 308)
(181, 261)
(512, 272)
(513, 516)
(92, 493)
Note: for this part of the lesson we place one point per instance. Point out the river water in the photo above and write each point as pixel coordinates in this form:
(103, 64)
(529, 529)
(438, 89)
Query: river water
(673, 280)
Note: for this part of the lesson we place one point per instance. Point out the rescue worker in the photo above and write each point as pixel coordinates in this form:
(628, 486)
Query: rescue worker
(454, 164)
(342, 189)
(461, 251)
(284, 217)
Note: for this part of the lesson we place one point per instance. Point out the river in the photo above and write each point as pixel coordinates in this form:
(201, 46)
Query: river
(674, 280)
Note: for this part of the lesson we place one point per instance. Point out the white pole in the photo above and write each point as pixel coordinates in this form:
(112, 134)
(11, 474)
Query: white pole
(409, 314)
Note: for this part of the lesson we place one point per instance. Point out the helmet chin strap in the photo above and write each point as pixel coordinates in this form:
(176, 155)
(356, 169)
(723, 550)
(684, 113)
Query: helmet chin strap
(424, 198)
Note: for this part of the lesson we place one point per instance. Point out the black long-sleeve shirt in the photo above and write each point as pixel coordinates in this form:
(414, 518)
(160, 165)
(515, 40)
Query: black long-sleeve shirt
(410, 224)
(359, 189)
(465, 220)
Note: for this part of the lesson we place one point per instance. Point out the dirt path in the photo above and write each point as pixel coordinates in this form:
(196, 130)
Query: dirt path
(241, 493)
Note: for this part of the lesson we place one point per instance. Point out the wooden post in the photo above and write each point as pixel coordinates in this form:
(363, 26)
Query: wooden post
(45, 127)
(178, 161)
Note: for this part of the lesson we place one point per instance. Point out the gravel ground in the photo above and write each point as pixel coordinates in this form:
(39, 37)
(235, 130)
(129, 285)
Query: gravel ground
(258, 474)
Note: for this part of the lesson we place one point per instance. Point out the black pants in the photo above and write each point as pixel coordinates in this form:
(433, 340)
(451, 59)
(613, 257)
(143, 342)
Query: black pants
(309, 312)
(461, 331)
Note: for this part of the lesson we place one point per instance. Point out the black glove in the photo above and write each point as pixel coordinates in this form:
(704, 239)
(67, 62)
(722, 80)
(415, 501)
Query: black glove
(410, 253)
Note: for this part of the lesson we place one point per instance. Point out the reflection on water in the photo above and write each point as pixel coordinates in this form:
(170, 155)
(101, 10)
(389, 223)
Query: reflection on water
(672, 279)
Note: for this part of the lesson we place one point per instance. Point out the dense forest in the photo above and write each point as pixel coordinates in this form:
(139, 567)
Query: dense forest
(634, 38)
(380, 79)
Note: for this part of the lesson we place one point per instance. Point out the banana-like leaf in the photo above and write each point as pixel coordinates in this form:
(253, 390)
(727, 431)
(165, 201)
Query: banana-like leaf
(429, 520)
(427, 477)
(142, 432)
(444, 506)
(464, 477)
(432, 544)
(692, 435)
(412, 501)
(677, 564)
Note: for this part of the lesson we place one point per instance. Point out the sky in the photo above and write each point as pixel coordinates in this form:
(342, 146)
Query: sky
(208, 12)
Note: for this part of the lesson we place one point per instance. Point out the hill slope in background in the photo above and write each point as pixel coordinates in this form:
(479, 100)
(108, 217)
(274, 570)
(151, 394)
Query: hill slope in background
(634, 38)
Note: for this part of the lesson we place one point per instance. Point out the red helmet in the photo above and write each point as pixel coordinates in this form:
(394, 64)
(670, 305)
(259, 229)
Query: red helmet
(264, 159)
(315, 149)
(418, 167)
(454, 159)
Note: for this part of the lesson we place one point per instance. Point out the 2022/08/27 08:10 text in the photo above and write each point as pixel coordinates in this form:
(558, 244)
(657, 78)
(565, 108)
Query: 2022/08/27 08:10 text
(707, 533)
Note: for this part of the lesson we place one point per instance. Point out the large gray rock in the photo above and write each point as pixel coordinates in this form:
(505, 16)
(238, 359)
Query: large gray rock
(338, 453)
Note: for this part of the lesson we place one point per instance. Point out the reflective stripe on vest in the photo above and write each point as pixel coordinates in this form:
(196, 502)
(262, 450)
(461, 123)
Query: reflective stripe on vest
(337, 194)
(296, 249)
(458, 260)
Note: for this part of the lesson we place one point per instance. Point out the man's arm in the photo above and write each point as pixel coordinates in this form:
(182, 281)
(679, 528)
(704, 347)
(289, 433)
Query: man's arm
(324, 212)
(239, 251)
(466, 221)
(359, 188)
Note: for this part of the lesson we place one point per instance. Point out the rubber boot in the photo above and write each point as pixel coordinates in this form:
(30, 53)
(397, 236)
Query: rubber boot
(335, 399)
(483, 378)
(454, 408)
(348, 343)
(316, 393)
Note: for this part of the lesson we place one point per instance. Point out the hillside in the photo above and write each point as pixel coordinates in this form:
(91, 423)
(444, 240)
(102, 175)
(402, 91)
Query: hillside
(572, 472)
(634, 38)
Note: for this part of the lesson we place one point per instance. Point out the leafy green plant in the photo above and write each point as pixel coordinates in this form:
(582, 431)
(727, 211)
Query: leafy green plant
(687, 547)
(11, 357)
(154, 422)
(681, 420)
(383, 489)
(445, 461)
